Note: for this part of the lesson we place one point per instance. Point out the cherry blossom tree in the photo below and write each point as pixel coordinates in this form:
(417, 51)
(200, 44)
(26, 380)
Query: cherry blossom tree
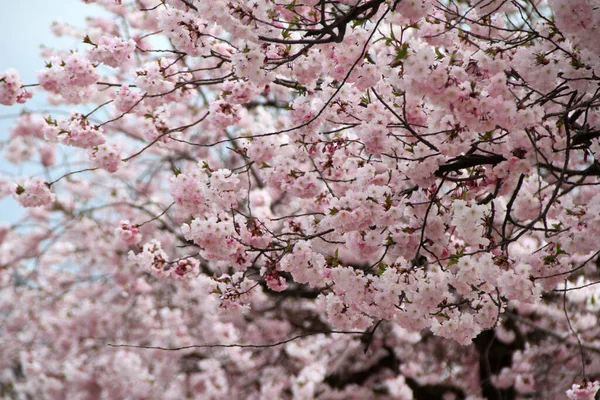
(308, 199)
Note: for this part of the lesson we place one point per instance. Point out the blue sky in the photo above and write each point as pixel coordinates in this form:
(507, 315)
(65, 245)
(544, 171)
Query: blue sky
(24, 26)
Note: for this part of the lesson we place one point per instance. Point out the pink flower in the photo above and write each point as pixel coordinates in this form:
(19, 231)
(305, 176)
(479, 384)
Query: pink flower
(224, 113)
(186, 268)
(126, 100)
(152, 259)
(72, 77)
(112, 51)
(106, 156)
(585, 391)
(129, 234)
(76, 131)
(275, 281)
(34, 192)
(188, 191)
(11, 90)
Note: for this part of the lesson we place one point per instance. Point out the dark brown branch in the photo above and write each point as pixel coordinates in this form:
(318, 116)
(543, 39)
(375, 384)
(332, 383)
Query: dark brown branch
(244, 346)
(327, 34)
(468, 161)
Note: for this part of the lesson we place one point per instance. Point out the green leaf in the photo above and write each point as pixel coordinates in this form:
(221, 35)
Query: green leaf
(453, 261)
(333, 261)
(402, 52)
(439, 54)
(87, 40)
(291, 6)
(358, 22)
(487, 136)
(541, 59)
(388, 202)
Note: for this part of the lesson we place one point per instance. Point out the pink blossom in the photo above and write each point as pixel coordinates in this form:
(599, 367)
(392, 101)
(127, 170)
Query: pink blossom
(585, 391)
(306, 199)
(126, 99)
(188, 191)
(186, 269)
(71, 77)
(112, 51)
(33, 192)
(106, 156)
(11, 90)
(275, 281)
(128, 233)
(76, 131)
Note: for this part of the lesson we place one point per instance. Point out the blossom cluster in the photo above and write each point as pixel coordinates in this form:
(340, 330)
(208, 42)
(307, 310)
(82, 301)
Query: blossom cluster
(307, 200)
(11, 88)
(33, 192)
